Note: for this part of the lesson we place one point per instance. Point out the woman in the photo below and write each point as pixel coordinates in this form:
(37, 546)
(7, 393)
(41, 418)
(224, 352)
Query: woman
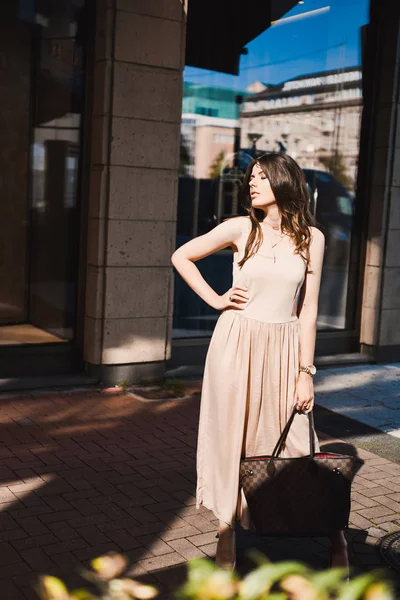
(260, 359)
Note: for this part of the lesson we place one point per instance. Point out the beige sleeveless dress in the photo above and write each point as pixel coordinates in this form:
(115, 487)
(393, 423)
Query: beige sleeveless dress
(249, 380)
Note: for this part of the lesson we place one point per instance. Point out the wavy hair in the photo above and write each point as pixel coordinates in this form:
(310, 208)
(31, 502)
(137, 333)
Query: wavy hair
(289, 187)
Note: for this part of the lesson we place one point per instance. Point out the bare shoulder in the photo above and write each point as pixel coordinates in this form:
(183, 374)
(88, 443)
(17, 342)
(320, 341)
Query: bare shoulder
(317, 237)
(238, 225)
(317, 249)
(244, 223)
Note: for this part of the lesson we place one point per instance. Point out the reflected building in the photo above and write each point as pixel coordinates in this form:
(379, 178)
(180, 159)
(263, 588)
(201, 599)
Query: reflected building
(313, 118)
(210, 121)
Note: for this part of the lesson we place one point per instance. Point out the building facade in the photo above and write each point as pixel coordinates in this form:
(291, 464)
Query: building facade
(313, 117)
(97, 189)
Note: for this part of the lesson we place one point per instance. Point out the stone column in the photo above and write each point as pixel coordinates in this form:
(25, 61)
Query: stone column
(139, 58)
(380, 319)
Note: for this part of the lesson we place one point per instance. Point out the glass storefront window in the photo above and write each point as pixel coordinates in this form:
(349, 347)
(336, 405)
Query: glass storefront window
(297, 89)
(40, 118)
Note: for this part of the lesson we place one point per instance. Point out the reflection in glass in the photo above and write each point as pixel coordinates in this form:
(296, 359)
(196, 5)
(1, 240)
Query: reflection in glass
(40, 107)
(298, 90)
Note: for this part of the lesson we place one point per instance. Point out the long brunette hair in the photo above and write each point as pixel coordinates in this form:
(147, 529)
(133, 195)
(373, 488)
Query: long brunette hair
(289, 187)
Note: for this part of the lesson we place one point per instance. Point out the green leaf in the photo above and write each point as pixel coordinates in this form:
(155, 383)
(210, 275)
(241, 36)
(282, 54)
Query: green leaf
(109, 565)
(259, 582)
(355, 589)
(207, 582)
(258, 557)
(199, 570)
(379, 590)
(81, 594)
(52, 588)
(328, 580)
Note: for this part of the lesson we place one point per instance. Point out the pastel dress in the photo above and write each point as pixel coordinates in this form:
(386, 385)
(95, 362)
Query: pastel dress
(250, 375)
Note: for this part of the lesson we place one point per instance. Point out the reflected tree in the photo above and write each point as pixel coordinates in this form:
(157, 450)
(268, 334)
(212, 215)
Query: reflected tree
(217, 165)
(335, 164)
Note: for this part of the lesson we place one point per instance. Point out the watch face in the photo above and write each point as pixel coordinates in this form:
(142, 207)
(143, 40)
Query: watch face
(313, 369)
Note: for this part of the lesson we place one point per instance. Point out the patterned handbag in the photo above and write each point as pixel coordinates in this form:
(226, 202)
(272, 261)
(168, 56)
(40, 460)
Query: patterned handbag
(305, 496)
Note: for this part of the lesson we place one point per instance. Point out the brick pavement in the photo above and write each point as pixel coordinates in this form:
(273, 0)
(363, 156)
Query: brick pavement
(369, 394)
(82, 473)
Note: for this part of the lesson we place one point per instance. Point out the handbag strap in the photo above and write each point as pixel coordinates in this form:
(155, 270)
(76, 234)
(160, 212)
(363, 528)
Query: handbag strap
(283, 436)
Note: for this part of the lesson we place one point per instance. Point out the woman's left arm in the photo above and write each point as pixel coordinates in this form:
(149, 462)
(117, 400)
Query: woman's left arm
(307, 314)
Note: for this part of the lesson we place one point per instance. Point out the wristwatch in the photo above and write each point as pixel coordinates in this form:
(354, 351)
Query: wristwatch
(310, 370)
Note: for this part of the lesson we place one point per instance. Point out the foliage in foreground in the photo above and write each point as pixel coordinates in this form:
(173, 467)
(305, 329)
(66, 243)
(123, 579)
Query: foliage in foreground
(268, 581)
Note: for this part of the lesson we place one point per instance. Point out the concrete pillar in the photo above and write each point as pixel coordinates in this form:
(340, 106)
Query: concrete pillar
(139, 58)
(380, 319)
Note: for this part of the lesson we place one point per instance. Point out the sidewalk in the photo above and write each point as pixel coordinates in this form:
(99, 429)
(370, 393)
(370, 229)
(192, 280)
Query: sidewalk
(82, 473)
(369, 394)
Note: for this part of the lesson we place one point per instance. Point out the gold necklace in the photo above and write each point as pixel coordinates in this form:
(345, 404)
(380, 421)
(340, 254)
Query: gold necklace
(281, 236)
(275, 227)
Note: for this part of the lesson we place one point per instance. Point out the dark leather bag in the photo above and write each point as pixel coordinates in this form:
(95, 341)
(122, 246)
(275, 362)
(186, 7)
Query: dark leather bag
(305, 496)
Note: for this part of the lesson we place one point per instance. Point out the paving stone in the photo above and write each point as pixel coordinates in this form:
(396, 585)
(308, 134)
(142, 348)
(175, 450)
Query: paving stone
(391, 468)
(384, 518)
(94, 551)
(154, 544)
(204, 538)
(36, 541)
(19, 572)
(388, 483)
(184, 497)
(162, 507)
(67, 560)
(93, 535)
(200, 523)
(6, 495)
(141, 515)
(161, 562)
(389, 502)
(172, 519)
(186, 548)
(363, 500)
(356, 505)
(33, 526)
(37, 559)
(209, 549)
(61, 516)
(10, 535)
(359, 521)
(390, 526)
(375, 511)
(375, 532)
(179, 532)
(33, 511)
(11, 591)
(374, 491)
(62, 531)
(123, 539)
(8, 555)
(377, 461)
(365, 483)
(61, 547)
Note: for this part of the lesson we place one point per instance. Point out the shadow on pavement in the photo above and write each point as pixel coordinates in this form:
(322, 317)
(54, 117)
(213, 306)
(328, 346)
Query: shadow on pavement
(83, 473)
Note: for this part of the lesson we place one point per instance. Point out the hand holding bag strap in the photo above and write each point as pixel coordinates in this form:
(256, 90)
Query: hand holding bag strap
(285, 432)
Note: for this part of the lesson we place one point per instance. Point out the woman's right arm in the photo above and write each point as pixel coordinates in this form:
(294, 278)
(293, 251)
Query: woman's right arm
(224, 235)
